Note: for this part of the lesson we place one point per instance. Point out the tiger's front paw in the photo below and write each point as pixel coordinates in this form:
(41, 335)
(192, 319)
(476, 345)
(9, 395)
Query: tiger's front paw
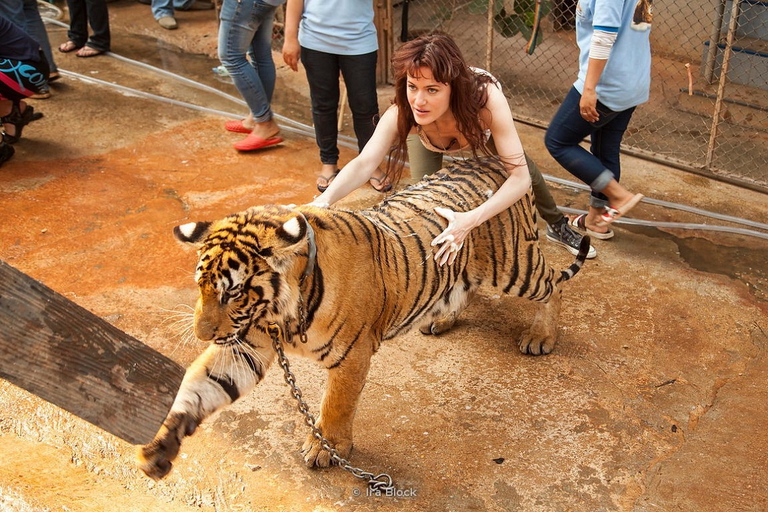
(155, 459)
(316, 456)
(440, 325)
(536, 344)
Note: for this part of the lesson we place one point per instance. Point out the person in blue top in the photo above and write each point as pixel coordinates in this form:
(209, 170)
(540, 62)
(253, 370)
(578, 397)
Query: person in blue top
(614, 77)
(332, 37)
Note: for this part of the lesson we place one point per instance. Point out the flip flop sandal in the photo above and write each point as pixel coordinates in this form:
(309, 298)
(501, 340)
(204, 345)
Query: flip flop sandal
(252, 143)
(236, 126)
(323, 188)
(86, 52)
(69, 46)
(580, 222)
(612, 214)
(380, 188)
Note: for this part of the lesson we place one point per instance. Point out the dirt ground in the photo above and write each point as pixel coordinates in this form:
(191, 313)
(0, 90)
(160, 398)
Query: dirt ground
(653, 399)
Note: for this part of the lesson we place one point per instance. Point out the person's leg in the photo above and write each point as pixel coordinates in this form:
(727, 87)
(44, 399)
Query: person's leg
(422, 161)
(558, 230)
(261, 50)
(563, 141)
(36, 28)
(323, 77)
(545, 203)
(78, 23)
(606, 141)
(98, 17)
(245, 30)
(162, 9)
(186, 5)
(359, 72)
(13, 11)
(565, 133)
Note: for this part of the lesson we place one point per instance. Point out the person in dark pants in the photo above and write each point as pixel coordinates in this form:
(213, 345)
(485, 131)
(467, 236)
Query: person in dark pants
(26, 15)
(81, 14)
(23, 71)
(333, 37)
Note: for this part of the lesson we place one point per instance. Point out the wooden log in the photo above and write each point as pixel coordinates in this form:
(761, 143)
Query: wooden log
(70, 357)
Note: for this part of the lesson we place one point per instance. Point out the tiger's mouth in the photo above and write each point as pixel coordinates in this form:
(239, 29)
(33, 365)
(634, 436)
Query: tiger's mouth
(235, 338)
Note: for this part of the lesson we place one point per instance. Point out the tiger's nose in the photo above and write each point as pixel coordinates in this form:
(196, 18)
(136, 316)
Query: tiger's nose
(204, 331)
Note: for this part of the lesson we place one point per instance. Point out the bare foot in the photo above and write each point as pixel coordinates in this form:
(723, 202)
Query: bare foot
(265, 130)
(327, 173)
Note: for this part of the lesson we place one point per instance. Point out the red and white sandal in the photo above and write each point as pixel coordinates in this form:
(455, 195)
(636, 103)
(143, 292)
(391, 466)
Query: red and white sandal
(611, 214)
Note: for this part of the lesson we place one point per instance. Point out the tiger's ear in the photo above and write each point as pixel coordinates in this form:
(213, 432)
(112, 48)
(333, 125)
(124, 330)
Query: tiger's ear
(287, 239)
(192, 233)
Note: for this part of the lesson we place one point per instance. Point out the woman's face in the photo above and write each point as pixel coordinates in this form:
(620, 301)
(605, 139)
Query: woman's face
(429, 99)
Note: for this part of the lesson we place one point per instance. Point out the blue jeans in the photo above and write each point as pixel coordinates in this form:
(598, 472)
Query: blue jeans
(162, 8)
(601, 164)
(246, 28)
(359, 72)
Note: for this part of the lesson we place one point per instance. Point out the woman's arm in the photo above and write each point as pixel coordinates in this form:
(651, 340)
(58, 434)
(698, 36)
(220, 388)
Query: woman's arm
(603, 39)
(360, 169)
(510, 150)
(291, 47)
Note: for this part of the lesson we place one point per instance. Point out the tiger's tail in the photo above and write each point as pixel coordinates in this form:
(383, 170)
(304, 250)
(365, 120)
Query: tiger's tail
(576, 265)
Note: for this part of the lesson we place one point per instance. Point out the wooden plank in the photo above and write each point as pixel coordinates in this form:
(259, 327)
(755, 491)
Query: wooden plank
(70, 357)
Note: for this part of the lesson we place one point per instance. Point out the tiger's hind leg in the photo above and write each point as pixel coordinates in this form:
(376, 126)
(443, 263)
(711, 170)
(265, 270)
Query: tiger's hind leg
(446, 311)
(218, 377)
(541, 337)
(346, 379)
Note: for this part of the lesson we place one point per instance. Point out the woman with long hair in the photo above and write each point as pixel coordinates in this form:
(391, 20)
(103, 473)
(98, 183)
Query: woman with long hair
(442, 105)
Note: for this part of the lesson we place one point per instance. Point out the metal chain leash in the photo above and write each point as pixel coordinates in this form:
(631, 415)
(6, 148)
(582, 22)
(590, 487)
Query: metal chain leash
(382, 482)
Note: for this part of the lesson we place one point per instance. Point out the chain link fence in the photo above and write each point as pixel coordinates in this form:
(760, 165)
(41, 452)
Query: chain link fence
(708, 111)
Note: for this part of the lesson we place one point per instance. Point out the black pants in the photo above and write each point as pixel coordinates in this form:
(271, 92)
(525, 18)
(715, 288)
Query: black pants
(359, 72)
(82, 12)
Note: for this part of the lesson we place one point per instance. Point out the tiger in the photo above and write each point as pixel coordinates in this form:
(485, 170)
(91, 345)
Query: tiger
(290, 266)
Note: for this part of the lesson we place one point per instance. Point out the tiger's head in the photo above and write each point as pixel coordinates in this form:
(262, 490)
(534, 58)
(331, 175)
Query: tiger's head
(246, 264)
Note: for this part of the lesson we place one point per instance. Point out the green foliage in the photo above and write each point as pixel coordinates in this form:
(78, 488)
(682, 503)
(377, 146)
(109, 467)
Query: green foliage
(520, 20)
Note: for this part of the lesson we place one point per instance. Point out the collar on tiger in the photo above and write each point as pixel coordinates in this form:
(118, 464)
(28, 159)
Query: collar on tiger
(312, 256)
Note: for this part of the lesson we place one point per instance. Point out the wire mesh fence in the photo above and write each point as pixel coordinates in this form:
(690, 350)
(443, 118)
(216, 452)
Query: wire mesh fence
(708, 110)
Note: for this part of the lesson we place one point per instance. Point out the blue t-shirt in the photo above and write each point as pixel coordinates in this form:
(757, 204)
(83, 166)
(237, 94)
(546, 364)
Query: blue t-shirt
(340, 27)
(626, 80)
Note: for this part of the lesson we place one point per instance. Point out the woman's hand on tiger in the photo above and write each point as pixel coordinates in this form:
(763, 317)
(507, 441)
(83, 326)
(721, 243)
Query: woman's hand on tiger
(451, 240)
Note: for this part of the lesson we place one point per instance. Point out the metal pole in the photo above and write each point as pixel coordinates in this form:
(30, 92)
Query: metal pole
(734, 21)
(489, 38)
(714, 39)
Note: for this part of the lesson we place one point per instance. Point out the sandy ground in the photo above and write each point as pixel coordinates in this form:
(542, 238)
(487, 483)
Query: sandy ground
(652, 400)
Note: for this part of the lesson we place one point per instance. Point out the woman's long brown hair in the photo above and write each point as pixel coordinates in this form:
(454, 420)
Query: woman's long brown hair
(439, 53)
